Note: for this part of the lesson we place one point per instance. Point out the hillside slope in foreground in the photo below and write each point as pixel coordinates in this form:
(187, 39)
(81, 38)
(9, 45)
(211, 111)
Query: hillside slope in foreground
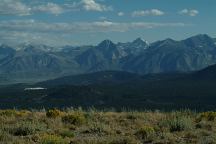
(106, 127)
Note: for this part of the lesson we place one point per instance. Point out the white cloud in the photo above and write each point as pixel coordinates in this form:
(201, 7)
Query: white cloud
(49, 8)
(120, 14)
(17, 37)
(19, 8)
(54, 33)
(189, 12)
(152, 12)
(11, 7)
(92, 5)
(97, 26)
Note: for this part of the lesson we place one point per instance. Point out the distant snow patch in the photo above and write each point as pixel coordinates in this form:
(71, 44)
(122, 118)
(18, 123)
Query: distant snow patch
(36, 88)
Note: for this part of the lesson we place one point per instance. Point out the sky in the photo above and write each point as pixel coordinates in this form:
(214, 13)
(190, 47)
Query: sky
(87, 22)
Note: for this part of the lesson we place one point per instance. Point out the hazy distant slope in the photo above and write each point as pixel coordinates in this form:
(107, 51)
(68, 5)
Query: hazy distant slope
(33, 63)
(119, 89)
(195, 90)
(208, 73)
(103, 77)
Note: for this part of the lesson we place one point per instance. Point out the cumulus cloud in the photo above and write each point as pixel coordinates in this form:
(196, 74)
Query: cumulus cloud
(92, 5)
(120, 14)
(152, 12)
(49, 8)
(189, 12)
(87, 5)
(11, 7)
(19, 8)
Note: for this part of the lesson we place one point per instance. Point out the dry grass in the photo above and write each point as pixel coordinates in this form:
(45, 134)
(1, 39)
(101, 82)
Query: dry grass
(75, 126)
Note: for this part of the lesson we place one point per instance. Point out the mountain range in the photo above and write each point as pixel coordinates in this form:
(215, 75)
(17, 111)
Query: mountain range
(33, 63)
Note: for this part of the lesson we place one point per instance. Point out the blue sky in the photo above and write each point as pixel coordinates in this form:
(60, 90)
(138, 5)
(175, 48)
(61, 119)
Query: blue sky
(84, 22)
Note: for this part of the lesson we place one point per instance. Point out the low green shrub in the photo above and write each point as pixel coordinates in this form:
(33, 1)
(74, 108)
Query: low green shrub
(4, 136)
(98, 129)
(23, 113)
(9, 112)
(204, 125)
(124, 140)
(23, 130)
(53, 139)
(74, 119)
(176, 123)
(67, 133)
(145, 132)
(180, 124)
(53, 113)
(210, 116)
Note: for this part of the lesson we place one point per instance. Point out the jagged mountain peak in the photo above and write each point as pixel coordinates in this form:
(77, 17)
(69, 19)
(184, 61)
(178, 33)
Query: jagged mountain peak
(39, 47)
(29, 48)
(107, 47)
(169, 40)
(140, 40)
(5, 48)
(6, 52)
(139, 43)
(201, 40)
(106, 43)
(200, 37)
(166, 42)
(33, 50)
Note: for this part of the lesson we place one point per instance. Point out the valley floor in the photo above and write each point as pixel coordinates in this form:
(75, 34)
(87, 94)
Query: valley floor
(106, 127)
